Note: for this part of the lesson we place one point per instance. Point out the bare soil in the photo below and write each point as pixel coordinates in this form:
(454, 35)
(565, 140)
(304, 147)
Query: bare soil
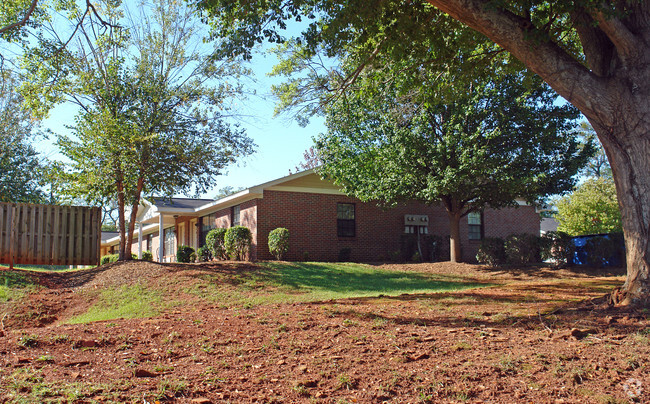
(537, 335)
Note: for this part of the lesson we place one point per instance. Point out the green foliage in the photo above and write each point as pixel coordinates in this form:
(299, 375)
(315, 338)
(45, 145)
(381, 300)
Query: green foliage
(154, 108)
(204, 254)
(592, 208)
(558, 247)
(522, 249)
(147, 256)
(106, 259)
(279, 242)
(215, 242)
(185, 253)
(491, 252)
(21, 171)
(238, 241)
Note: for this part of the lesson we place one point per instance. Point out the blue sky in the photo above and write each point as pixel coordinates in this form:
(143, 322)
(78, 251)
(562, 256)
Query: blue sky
(280, 141)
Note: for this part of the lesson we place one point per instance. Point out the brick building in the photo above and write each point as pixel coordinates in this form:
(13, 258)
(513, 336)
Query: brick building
(323, 223)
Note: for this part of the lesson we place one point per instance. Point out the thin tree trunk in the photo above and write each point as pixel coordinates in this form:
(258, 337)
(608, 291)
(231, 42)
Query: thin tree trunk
(455, 254)
(121, 220)
(629, 155)
(134, 215)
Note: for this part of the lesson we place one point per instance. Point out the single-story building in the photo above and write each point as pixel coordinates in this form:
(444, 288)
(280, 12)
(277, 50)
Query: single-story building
(322, 222)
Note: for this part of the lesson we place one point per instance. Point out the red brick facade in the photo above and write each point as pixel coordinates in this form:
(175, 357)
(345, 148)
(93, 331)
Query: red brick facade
(311, 218)
(312, 223)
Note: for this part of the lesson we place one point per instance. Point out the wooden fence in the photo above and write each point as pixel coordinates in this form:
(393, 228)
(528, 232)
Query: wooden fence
(49, 234)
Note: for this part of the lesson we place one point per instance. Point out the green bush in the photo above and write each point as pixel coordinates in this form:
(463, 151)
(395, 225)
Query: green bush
(204, 254)
(215, 241)
(279, 242)
(185, 253)
(238, 241)
(147, 256)
(522, 249)
(113, 258)
(491, 252)
(557, 247)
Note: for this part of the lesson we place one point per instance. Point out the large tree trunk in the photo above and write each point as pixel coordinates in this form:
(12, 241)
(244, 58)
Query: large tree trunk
(629, 154)
(612, 89)
(455, 252)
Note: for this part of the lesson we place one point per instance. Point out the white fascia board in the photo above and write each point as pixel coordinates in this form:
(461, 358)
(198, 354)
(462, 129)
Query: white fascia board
(230, 200)
(327, 191)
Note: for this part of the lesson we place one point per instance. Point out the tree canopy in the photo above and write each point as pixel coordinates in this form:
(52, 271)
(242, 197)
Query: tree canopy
(499, 141)
(154, 109)
(21, 167)
(590, 209)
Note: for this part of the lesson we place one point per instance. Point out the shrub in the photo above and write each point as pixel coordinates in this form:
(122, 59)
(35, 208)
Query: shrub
(491, 252)
(522, 249)
(279, 242)
(305, 255)
(147, 256)
(113, 258)
(238, 242)
(558, 247)
(184, 253)
(204, 254)
(215, 242)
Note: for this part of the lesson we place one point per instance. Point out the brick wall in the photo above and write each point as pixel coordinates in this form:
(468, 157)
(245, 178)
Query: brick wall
(312, 224)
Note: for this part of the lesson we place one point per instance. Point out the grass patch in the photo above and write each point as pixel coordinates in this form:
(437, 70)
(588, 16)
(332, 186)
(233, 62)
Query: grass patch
(14, 286)
(301, 282)
(134, 301)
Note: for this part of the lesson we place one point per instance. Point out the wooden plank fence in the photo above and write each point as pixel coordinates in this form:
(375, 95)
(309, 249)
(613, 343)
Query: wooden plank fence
(49, 234)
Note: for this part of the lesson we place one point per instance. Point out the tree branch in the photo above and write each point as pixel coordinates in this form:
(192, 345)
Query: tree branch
(626, 43)
(561, 71)
(22, 22)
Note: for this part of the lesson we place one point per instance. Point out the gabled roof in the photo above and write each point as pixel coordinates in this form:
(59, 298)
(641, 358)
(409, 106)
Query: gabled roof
(180, 203)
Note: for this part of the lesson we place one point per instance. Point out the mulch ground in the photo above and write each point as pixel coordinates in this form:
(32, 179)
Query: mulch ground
(518, 341)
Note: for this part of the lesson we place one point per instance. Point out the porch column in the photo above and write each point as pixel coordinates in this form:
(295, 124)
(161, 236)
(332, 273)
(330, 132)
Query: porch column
(161, 238)
(139, 240)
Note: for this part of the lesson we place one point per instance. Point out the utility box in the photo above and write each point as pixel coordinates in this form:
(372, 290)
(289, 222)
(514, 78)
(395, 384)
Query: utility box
(416, 220)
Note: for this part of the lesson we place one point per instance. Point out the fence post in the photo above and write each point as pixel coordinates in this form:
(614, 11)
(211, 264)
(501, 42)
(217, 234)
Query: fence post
(12, 237)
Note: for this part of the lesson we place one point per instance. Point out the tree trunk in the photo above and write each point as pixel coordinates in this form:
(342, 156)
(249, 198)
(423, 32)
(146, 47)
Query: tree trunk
(121, 221)
(454, 237)
(628, 150)
(134, 214)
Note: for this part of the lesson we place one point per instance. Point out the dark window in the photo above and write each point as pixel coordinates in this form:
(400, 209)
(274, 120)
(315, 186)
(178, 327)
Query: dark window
(148, 240)
(475, 222)
(206, 223)
(170, 241)
(235, 215)
(345, 223)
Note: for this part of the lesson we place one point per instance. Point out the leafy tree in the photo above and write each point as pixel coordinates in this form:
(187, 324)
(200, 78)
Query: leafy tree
(598, 166)
(392, 145)
(20, 164)
(153, 114)
(594, 54)
(591, 209)
(227, 191)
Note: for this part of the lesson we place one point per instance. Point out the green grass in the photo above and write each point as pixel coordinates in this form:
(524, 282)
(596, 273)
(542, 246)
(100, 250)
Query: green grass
(301, 282)
(13, 286)
(135, 301)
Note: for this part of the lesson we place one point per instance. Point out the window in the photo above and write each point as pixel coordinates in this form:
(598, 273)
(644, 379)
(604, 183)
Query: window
(475, 222)
(345, 222)
(206, 223)
(170, 241)
(147, 238)
(412, 229)
(235, 215)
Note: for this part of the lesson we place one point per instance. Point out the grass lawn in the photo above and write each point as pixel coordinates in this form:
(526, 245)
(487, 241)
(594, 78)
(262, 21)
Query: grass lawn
(286, 282)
